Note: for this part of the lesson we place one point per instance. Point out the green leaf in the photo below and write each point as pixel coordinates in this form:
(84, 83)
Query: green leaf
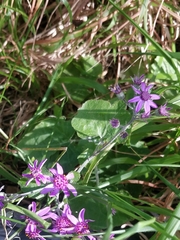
(168, 183)
(8, 173)
(93, 118)
(172, 224)
(139, 130)
(95, 161)
(46, 138)
(109, 223)
(162, 69)
(95, 210)
(69, 159)
(135, 229)
(80, 78)
(89, 66)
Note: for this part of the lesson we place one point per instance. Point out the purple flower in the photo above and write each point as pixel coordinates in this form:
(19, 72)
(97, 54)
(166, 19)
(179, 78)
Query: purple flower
(1, 198)
(59, 182)
(111, 236)
(124, 135)
(1, 202)
(69, 224)
(62, 223)
(113, 211)
(144, 99)
(43, 213)
(115, 123)
(117, 90)
(36, 173)
(138, 80)
(81, 224)
(9, 223)
(33, 232)
(31, 229)
(145, 115)
(163, 110)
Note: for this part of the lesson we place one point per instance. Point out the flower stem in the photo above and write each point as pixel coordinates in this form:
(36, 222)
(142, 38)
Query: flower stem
(106, 145)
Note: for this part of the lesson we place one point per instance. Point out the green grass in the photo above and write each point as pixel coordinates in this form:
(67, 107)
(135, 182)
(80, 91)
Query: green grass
(55, 73)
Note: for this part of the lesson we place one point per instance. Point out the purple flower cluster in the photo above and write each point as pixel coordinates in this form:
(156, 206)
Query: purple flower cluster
(36, 173)
(32, 229)
(64, 223)
(56, 183)
(144, 98)
(143, 101)
(67, 223)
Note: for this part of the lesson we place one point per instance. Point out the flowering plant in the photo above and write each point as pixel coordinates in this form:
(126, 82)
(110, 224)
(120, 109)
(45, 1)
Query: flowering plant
(108, 120)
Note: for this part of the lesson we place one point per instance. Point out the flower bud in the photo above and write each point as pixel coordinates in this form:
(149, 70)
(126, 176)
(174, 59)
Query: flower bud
(163, 110)
(117, 90)
(124, 135)
(115, 123)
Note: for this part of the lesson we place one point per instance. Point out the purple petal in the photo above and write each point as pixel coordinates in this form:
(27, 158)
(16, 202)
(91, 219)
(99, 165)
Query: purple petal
(32, 207)
(113, 211)
(1, 205)
(54, 192)
(35, 163)
(30, 180)
(31, 227)
(53, 171)
(67, 230)
(92, 238)
(31, 167)
(53, 215)
(147, 107)
(145, 115)
(66, 209)
(138, 80)
(81, 215)
(70, 176)
(42, 163)
(72, 189)
(73, 219)
(54, 230)
(59, 169)
(152, 104)
(47, 189)
(149, 87)
(137, 91)
(155, 96)
(116, 89)
(143, 86)
(37, 182)
(66, 191)
(27, 175)
(134, 99)
(163, 110)
(45, 179)
(43, 211)
(39, 237)
(139, 106)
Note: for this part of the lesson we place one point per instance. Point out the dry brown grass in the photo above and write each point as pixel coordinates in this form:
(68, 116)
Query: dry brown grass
(96, 29)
